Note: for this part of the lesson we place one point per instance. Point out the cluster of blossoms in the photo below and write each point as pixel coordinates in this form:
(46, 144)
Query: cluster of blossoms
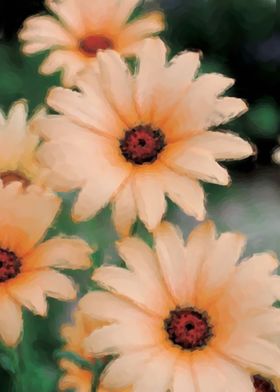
(183, 315)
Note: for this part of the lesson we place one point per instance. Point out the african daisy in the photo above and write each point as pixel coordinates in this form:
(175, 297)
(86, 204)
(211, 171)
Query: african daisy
(80, 28)
(131, 140)
(26, 265)
(186, 317)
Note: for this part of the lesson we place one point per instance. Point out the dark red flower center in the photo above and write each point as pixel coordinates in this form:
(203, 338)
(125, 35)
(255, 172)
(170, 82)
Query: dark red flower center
(11, 176)
(9, 265)
(188, 328)
(142, 144)
(91, 44)
(262, 384)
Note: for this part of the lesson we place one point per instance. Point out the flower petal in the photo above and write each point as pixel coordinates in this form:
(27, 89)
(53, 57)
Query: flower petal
(152, 59)
(219, 265)
(196, 163)
(150, 199)
(104, 306)
(124, 212)
(126, 368)
(158, 371)
(116, 81)
(222, 146)
(59, 252)
(68, 60)
(126, 284)
(56, 285)
(177, 79)
(170, 250)
(135, 31)
(187, 193)
(83, 111)
(11, 324)
(141, 259)
(31, 212)
(98, 192)
(26, 291)
(116, 338)
(45, 29)
(183, 378)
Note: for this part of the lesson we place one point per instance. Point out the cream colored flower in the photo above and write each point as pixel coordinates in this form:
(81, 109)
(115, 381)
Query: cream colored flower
(18, 143)
(186, 317)
(131, 140)
(82, 29)
(26, 265)
(81, 380)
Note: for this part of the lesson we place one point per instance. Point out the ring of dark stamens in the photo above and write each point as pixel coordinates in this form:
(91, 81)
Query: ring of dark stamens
(262, 384)
(188, 328)
(12, 176)
(10, 265)
(91, 44)
(142, 144)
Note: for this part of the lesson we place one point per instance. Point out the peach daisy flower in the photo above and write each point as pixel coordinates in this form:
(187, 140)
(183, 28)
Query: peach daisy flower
(132, 139)
(27, 273)
(186, 317)
(18, 144)
(81, 380)
(80, 28)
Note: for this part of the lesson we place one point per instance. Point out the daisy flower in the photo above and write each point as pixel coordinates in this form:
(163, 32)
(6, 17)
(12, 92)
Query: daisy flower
(27, 273)
(18, 144)
(80, 28)
(80, 379)
(132, 139)
(186, 317)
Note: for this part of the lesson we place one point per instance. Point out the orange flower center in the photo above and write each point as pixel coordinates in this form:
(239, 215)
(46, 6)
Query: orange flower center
(188, 328)
(91, 44)
(261, 384)
(11, 176)
(9, 265)
(142, 144)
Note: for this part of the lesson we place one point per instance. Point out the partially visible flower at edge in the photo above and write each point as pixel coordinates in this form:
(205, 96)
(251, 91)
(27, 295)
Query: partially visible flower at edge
(82, 29)
(27, 274)
(18, 144)
(133, 139)
(81, 380)
(187, 316)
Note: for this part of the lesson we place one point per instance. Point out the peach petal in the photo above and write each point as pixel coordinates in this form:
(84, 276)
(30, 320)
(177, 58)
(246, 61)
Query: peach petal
(59, 252)
(56, 285)
(11, 324)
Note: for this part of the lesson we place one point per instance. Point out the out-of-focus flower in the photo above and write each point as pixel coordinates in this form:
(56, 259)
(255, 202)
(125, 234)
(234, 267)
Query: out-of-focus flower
(276, 155)
(82, 29)
(263, 384)
(26, 266)
(75, 376)
(187, 316)
(130, 140)
(18, 143)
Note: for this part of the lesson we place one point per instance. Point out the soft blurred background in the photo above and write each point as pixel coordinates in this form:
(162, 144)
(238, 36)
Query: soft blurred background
(240, 38)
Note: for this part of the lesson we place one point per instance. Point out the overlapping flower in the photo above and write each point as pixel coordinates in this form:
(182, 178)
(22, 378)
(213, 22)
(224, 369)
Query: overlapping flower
(186, 317)
(27, 274)
(148, 134)
(80, 28)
